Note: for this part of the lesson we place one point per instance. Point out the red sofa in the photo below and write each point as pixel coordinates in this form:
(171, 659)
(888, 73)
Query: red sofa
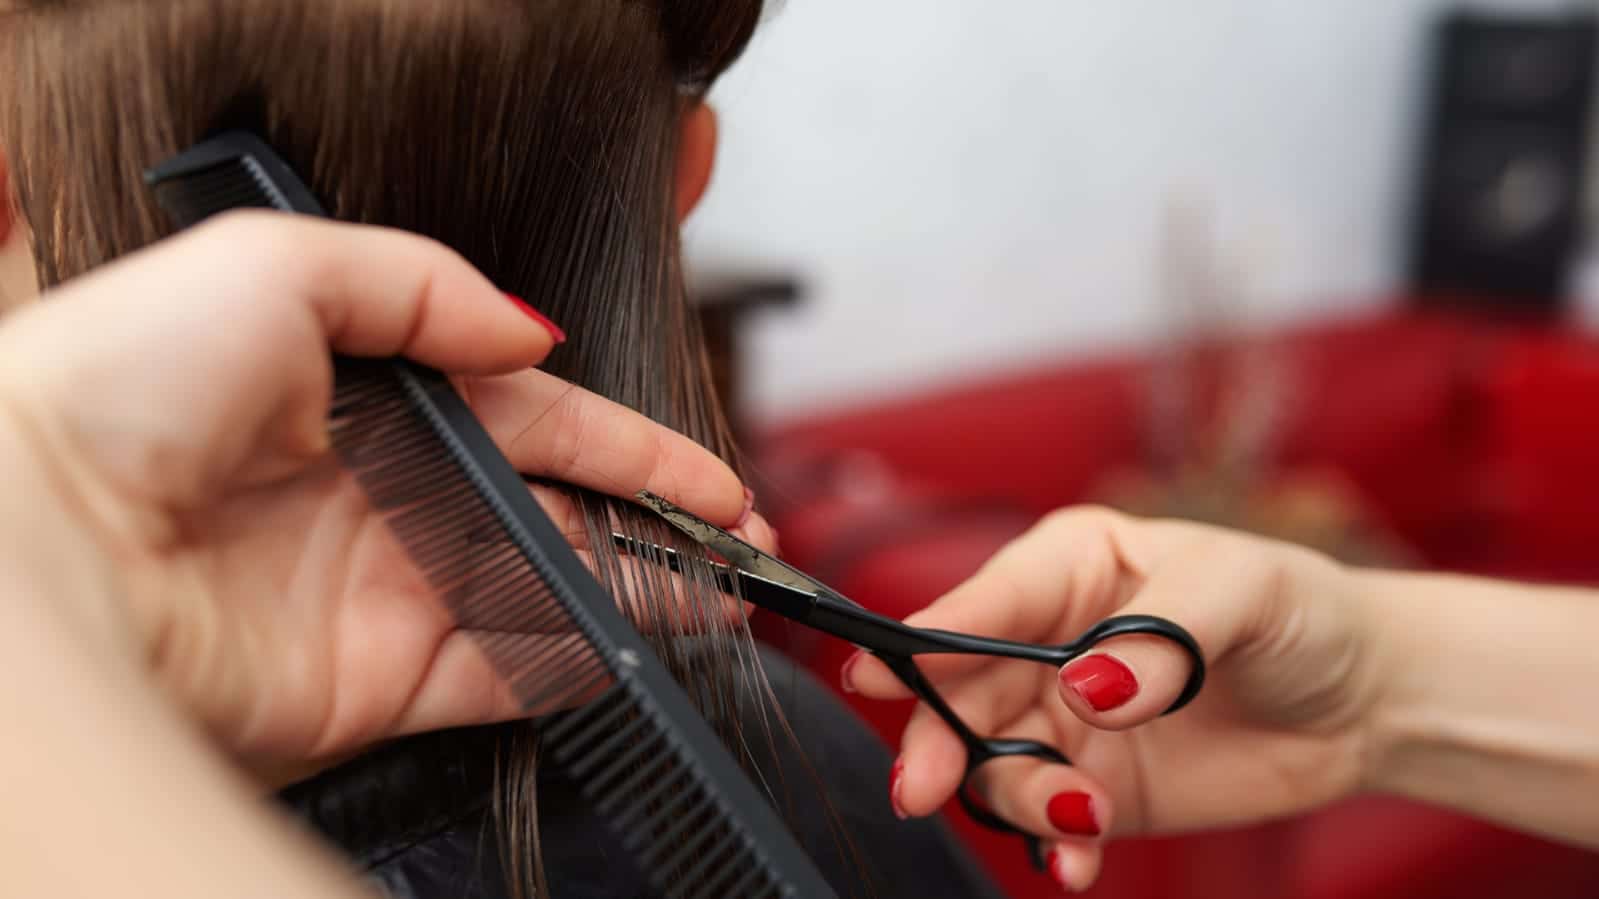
(1476, 444)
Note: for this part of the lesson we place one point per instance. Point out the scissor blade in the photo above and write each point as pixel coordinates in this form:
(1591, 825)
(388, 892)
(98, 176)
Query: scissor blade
(739, 554)
(780, 598)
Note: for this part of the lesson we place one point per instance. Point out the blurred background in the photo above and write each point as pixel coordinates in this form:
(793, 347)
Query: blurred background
(1317, 269)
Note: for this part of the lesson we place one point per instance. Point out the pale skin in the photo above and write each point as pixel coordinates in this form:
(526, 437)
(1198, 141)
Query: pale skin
(199, 604)
(1324, 682)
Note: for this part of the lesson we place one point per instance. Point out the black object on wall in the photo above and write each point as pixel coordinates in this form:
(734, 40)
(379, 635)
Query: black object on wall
(1499, 214)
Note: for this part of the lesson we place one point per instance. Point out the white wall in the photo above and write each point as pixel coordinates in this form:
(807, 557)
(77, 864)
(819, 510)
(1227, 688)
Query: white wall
(968, 184)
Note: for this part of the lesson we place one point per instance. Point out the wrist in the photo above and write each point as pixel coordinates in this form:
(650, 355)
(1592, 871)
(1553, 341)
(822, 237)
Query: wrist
(1389, 726)
(1429, 632)
(1486, 705)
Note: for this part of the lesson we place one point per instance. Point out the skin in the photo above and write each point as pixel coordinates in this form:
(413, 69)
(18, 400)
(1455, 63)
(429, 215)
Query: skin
(1324, 682)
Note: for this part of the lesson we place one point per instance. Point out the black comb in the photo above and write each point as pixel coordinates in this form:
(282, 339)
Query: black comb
(640, 753)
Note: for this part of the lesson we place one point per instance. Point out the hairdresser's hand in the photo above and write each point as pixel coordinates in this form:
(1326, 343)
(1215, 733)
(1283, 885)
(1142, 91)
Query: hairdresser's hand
(174, 404)
(1279, 727)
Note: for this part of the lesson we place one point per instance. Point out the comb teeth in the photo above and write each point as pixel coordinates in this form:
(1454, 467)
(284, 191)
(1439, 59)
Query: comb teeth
(459, 544)
(649, 787)
(675, 827)
(229, 184)
(235, 170)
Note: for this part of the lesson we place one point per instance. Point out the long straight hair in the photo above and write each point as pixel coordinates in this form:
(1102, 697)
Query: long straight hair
(538, 138)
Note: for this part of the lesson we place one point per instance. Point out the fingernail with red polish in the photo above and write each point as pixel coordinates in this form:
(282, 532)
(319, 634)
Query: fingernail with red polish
(1073, 813)
(893, 789)
(1057, 869)
(749, 508)
(552, 327)
(1104, 682)
(844, 672)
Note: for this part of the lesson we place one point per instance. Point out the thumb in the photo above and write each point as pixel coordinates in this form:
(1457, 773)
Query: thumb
(382, 292)
(207, 353)
(1211, 589)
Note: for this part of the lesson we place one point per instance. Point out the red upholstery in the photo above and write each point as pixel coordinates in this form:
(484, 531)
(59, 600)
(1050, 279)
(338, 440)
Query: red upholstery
(1476, 445)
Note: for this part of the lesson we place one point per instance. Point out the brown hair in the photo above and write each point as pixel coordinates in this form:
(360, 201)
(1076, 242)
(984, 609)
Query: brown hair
(535, 137)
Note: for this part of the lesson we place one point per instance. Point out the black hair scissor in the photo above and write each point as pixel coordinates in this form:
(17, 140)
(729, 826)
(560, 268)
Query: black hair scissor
(779, 587)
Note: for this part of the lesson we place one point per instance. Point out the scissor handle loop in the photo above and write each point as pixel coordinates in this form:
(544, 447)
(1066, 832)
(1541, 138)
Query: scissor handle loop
(985, 751)
(980, 750)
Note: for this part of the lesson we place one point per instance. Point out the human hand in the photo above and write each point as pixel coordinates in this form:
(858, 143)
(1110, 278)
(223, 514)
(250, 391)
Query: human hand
(1280, 726)
(175, 403)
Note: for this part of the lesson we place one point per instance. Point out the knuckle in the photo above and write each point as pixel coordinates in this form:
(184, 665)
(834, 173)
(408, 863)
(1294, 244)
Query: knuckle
(1257, 567)
(427, 249)
(661, 466)
(265, 244)
(573, 432)
(1248, 559)
(1087, 517)
(269, 233)
(237, 223)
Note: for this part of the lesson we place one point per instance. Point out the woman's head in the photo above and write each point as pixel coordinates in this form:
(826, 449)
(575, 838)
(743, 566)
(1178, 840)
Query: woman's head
(553, 143)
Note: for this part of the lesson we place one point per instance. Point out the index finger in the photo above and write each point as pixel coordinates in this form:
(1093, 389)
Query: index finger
(384, 292)
(551, 428)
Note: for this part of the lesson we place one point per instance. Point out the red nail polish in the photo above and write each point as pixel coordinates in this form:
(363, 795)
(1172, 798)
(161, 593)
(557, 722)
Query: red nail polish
(1073, 813)
(1057, 870)
(844, 672)
(749, 508)
(552, 327)
(1104, 682)
(893, 789)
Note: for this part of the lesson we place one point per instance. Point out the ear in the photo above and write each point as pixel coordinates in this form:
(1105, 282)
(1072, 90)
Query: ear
(696, 152)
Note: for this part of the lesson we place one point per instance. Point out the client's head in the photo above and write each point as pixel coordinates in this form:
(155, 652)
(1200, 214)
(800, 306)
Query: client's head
(554, 143)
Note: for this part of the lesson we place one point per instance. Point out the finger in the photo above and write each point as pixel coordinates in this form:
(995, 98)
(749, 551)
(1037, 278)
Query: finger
(232, 324)
(1063, 568)
(374, 291)
(933, 758)
(1056, 802)
(930, 767)
(759, 533)
(552, 429)
(1211, 586)
(1075, 866)
(866, 674)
